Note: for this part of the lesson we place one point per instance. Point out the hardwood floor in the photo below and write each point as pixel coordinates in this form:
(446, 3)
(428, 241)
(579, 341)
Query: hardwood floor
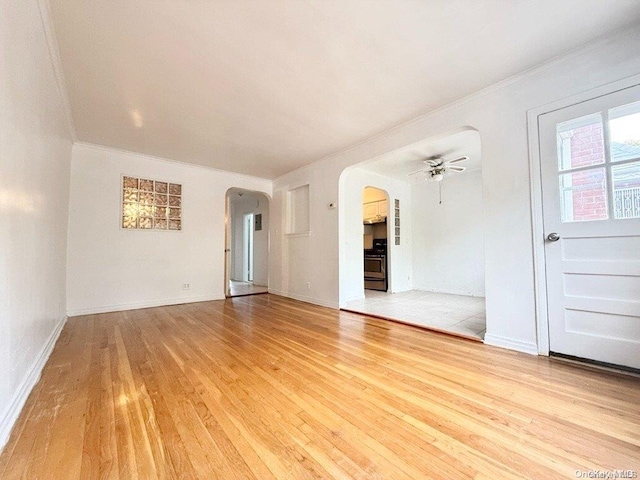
(265, 387)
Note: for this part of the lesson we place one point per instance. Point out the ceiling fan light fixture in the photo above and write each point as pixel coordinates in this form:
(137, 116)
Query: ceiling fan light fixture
(436, 168)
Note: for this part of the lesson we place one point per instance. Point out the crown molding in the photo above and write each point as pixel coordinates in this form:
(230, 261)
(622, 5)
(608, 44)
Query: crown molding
(56, 63)
(105, 148)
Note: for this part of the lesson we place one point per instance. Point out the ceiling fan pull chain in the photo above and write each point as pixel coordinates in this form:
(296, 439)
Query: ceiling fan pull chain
(440, 191)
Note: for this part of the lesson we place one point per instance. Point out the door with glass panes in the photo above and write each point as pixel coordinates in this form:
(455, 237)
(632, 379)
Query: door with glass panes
(590, 165)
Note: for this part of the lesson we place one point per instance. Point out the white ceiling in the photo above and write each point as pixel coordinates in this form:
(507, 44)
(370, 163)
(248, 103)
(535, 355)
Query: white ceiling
(265, 86)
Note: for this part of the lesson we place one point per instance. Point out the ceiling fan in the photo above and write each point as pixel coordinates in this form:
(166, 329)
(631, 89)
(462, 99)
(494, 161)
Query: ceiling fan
(436, 168)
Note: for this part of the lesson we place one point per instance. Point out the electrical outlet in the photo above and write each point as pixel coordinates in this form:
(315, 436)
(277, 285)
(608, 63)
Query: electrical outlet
(308, 285)
(186, 286)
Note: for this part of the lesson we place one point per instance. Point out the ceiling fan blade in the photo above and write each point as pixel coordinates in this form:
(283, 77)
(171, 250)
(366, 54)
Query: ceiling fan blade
(455, 168)
(432, 163)
(459, 159)
(417, 172)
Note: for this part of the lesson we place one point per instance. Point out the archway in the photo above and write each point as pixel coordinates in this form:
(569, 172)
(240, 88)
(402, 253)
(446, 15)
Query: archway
(435, 249)
(246, 242)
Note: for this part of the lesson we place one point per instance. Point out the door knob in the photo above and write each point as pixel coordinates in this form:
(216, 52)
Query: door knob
(553, 237)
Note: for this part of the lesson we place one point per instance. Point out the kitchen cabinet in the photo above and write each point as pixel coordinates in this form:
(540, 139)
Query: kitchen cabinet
(370, 210)
(383, 208)
(375, 209)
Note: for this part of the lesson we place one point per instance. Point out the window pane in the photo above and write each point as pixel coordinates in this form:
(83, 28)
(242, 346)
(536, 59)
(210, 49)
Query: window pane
(626, 190)
(145, 210)
(145, 223)
(130, 210)
(130, 182)
(624, 130)
(146, 198)
(146, 185)
(130, 195)
(160, 224)
(129, 222)
(580, 142)
(583, 195)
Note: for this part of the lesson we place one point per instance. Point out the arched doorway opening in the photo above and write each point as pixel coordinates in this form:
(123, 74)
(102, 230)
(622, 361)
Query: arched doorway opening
(246, 243)
(435, 235)
(376, 265)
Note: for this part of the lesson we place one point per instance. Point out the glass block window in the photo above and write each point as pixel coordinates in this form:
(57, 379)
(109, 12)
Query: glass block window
(150, 204)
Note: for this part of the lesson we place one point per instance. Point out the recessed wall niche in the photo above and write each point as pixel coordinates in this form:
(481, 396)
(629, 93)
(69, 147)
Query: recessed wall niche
(151, 204)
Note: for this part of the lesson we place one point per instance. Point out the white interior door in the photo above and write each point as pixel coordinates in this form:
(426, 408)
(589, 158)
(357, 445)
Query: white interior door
(590, 164)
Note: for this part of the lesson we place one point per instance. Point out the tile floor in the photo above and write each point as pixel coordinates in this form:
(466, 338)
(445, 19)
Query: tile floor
(237, 289)
(454, 313)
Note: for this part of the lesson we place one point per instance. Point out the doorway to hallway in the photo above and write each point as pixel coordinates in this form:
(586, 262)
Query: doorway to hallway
(247, 243)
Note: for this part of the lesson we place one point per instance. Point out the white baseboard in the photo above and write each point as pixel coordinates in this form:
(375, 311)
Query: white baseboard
(119, 307)
(10, 415)
(304, 298)
(512, 344)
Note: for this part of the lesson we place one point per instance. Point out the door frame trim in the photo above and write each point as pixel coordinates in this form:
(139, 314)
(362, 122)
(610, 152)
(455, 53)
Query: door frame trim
(535, 191)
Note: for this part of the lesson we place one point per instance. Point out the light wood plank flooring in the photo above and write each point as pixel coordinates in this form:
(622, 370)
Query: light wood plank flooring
(264, 387)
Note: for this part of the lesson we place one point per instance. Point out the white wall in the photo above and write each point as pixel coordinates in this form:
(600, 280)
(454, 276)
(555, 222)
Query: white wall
(399, 256)
(114, 269)
(35, 154)
(305, 266)
(448, 238)
(257, 204)
(499, 114)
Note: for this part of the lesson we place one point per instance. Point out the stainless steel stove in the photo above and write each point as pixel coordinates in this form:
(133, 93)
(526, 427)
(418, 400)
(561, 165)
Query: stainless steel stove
(375, 266)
